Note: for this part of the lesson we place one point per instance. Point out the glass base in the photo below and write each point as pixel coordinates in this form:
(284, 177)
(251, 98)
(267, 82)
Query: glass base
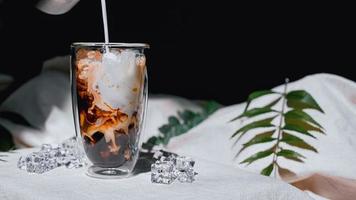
(107, 173)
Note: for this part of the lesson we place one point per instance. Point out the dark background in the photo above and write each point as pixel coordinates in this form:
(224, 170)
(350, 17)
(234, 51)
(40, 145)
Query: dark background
(199, 50)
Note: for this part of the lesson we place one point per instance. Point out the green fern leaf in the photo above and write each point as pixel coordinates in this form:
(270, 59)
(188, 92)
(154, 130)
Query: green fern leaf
(268, 170)
(291, 155)
(257, 94)
(291, 127)
(258, 155)
(254, 112)
(256, 124)
(301, 99)
(259, 138)
(273, 103)
(302, 124)
(295, 120)
(297, 142)
(301, 115)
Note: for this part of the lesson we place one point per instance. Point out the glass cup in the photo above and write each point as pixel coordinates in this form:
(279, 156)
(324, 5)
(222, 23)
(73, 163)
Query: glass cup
(109, 95)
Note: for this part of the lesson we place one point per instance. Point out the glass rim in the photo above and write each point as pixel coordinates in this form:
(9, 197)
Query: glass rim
(110, 44)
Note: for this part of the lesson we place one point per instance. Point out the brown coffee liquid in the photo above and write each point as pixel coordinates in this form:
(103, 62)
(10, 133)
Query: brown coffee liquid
(109, 135)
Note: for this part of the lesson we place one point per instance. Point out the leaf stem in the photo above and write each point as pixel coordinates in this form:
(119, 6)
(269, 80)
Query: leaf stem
(279, 128)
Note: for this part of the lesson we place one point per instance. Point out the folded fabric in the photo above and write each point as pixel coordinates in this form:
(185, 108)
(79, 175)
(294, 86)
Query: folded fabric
(336, 95)
(336, 150)
(214, 181)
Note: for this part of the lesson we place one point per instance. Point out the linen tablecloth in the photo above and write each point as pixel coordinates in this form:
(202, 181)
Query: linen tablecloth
(214, 181)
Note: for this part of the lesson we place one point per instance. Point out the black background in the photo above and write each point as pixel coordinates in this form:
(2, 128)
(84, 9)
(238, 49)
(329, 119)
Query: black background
(199, 50)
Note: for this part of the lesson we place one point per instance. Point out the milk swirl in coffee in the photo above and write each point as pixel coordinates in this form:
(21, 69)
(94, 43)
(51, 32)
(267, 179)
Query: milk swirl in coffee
(109, 95)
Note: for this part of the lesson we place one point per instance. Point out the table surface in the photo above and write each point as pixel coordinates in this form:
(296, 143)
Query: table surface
(214, 181)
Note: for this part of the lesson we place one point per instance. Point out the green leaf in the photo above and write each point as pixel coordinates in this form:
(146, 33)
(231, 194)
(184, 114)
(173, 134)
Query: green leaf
(173, 121)
(268, 170)
(256, 156)
(257, 111)
(256, 124)
(259, 138)
(165, 128)
(297, 142)
(298, 129)
(210, 107)
(291, 155)
(256, 94)
(151, 142)
(171, 133)
(300, 99)
(187, 115)
(181, 124)
(301, 115)
(254, 111)
(295, 120)
(273, 103)
(302, 124)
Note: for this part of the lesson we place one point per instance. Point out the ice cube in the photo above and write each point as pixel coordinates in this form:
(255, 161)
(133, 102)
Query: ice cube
(162, 172)
(184, 163)
(66, 154)
(21, 163)
(35, 163)
(46, 147)
(185, 176)
(157, 155)
(167, 169)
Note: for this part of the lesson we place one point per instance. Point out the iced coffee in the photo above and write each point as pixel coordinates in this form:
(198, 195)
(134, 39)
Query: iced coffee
(109, 94)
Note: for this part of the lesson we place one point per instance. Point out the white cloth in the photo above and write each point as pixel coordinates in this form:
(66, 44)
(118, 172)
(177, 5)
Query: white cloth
(337, 149)
(45, 103)
(214, 181)
(48, 109)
